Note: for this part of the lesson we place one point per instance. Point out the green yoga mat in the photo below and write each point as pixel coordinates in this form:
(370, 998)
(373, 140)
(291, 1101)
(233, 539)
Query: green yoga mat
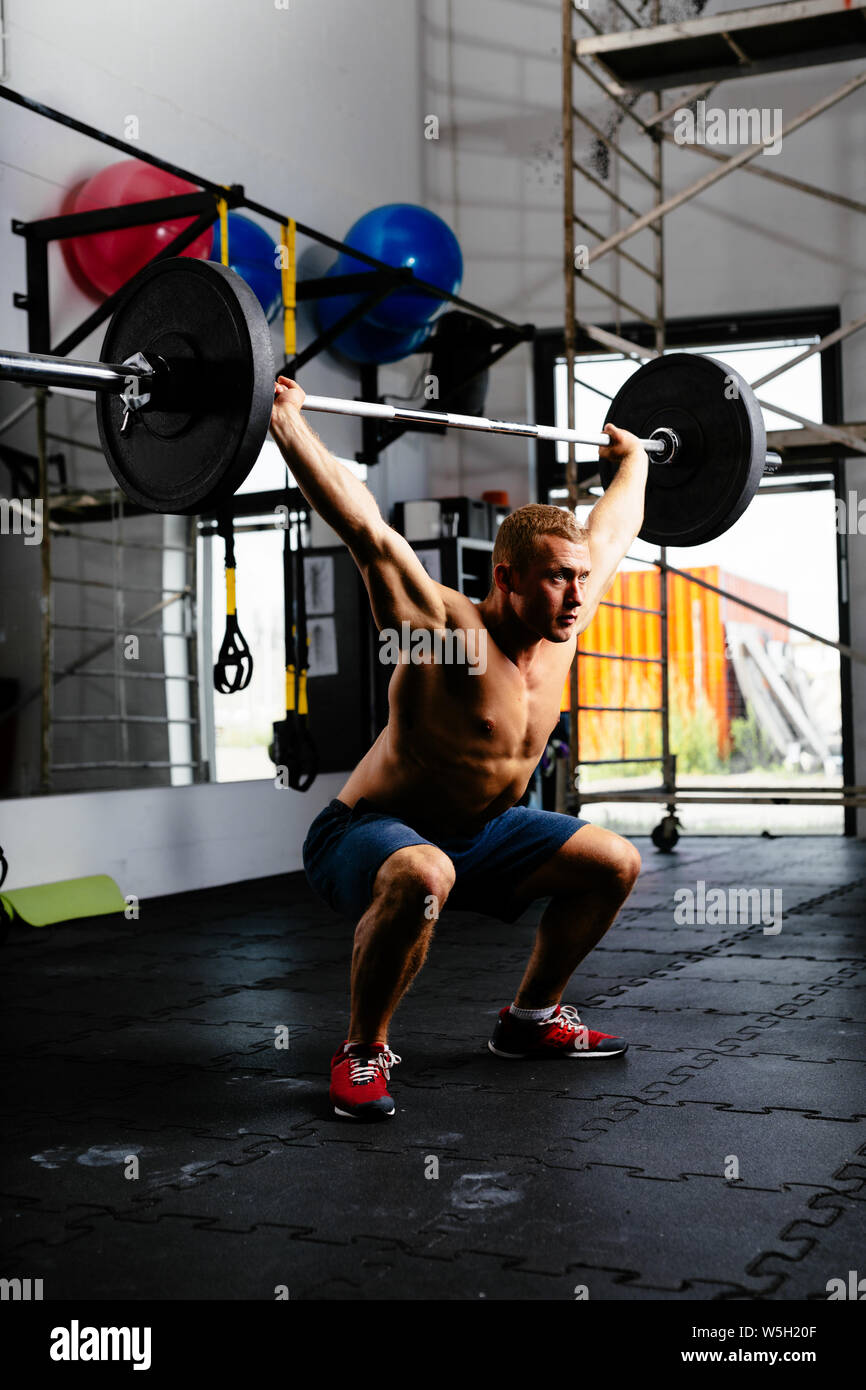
(61, 902)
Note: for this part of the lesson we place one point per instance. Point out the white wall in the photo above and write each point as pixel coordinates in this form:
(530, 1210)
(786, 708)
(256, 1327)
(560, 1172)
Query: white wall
(171, 840)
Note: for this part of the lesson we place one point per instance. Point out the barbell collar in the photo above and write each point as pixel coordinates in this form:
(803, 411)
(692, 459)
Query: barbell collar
(670, 443)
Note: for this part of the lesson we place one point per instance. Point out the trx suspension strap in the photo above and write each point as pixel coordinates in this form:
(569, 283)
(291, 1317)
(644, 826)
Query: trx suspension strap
(234, 666)
(293, 744)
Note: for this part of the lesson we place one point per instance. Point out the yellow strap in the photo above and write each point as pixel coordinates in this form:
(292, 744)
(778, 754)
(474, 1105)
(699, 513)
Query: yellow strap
(290, 689)
(224, 230)
(288, 277)
(302, 694)
(231, 606)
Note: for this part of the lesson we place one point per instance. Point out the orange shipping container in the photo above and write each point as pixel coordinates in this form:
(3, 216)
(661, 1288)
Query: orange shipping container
(698, 667)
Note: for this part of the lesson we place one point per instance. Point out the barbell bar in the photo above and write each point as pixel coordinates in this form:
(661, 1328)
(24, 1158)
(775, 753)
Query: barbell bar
(374, 410)
(31, 369)
(185, 389)
(36, 370)
(662, 445)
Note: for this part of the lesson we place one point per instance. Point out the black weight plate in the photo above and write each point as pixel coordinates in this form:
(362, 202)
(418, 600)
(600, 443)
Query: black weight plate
(190, 449)
(723, 445)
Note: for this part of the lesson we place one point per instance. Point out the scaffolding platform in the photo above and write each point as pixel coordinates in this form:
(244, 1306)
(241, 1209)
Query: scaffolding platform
(740, 43)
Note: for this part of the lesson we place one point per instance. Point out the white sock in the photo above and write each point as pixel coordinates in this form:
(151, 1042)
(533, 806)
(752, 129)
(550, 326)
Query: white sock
(536, 1015)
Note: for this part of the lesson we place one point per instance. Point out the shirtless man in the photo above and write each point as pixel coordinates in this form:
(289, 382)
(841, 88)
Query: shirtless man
(429, 815)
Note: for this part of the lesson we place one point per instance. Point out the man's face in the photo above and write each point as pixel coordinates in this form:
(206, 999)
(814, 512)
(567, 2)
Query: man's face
(549, 594)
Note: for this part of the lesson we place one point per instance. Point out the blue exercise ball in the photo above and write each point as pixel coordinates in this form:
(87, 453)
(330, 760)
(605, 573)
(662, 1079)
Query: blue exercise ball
(253, 256)
(368, 343)
(363, 341)
(403, 234)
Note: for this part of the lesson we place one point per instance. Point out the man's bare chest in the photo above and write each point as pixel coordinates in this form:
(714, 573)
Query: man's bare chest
(488, 703)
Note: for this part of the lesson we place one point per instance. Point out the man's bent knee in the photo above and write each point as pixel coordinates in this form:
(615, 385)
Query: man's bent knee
(419, 875)
(604, 860)
(618, 862)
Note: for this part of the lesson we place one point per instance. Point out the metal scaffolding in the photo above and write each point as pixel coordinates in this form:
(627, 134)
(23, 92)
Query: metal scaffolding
(633, 67)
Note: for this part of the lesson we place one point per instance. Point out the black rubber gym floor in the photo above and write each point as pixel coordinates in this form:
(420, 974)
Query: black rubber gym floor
(160, 1142)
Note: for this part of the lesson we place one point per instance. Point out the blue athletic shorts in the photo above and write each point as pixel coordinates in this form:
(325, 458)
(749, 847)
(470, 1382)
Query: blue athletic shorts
(346, 845)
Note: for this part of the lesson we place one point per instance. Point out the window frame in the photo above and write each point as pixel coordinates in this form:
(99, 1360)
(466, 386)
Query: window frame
(714, 329)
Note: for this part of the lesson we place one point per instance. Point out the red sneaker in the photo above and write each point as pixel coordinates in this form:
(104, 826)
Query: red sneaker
(561, 1035)
(358, 1078)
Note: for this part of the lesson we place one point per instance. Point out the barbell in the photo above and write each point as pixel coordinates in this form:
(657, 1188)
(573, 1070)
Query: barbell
(185, 388)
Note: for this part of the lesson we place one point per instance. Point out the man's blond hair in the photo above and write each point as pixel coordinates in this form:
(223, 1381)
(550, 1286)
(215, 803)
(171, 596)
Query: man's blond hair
(517, 538)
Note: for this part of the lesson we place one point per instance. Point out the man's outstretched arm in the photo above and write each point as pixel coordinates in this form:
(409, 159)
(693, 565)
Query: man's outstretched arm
(616, 517)
(340, 498)
(398, 584)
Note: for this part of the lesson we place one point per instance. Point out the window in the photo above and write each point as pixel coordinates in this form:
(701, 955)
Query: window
(752, 703)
